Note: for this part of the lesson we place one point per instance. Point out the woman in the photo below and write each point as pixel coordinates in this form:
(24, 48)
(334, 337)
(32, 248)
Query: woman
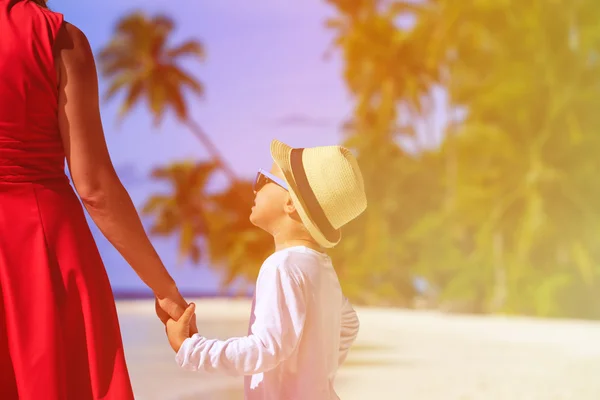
(59, 333)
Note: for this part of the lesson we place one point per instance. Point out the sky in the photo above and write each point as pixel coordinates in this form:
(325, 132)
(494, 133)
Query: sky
(266, 76)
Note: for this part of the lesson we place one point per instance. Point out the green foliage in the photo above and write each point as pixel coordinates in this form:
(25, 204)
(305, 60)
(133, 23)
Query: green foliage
(184, 209)
(503, 214)
(502, 217)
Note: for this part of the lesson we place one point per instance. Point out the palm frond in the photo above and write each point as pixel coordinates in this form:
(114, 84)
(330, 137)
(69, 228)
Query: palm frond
(119, 83)
(188, 48)
(163, 23)
(157, 96)
(156, 202)
(134, 23)
(176, 100)
(178, 76)
(133, 96)
(115, 66)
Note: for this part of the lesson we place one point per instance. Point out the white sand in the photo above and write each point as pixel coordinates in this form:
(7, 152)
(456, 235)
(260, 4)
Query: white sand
(399, 355)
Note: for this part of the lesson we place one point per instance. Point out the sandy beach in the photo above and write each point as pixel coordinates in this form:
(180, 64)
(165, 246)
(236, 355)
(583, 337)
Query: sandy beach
(399, 355)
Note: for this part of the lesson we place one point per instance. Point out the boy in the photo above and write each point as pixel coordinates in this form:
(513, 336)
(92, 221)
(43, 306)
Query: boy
(301, 325)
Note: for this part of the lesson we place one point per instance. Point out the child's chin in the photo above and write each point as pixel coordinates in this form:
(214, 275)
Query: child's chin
(253, 218)
(256, 220)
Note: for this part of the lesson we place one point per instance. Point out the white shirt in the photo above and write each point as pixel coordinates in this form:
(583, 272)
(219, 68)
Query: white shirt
(301, 329)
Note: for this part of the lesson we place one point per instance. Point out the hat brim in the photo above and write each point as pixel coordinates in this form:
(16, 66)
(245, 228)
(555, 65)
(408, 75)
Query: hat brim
(280, 152)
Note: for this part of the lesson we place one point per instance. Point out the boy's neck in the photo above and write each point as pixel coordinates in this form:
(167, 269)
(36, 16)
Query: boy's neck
(291, 234)
(311, 244)
(286, 239)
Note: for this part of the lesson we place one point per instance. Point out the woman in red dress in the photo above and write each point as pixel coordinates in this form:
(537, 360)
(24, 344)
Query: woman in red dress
(59, 333)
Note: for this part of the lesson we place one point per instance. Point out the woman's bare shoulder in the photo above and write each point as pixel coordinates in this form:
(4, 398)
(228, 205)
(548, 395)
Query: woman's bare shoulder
(72, 45)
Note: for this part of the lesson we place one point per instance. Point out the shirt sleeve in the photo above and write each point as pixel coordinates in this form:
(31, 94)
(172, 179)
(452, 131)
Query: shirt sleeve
(349, 332)
(279, 311)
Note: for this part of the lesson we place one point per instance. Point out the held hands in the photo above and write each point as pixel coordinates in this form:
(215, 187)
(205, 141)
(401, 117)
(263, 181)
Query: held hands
(178, 331)
(172, 306)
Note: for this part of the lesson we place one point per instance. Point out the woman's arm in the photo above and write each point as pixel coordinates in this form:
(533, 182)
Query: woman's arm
(92, 172)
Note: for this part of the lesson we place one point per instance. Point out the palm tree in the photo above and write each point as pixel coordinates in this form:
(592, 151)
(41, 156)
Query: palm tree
(525, 150)
(387, 73)
(519, 225)
(220, 219)
(185, 210)
(139, 61)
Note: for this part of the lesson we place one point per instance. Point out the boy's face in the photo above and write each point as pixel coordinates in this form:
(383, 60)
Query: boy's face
(269, 203)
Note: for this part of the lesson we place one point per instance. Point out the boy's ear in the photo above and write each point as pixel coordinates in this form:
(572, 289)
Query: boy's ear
(289, 206)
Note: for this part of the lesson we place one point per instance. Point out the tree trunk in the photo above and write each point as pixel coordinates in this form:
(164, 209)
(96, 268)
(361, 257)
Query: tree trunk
(216, 156)
(212, 150)
(500, 292)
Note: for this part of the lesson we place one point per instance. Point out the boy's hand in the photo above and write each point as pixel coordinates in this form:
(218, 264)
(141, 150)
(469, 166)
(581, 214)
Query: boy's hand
(178, 331)
(172, 306)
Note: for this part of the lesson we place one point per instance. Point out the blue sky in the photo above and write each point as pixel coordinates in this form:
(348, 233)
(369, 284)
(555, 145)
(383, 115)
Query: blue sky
(265, 76)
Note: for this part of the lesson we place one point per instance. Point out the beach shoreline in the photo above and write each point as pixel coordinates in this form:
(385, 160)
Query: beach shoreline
(399, 354)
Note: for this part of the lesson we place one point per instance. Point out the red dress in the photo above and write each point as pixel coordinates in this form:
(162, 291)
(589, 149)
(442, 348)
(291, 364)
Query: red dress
(59, 333)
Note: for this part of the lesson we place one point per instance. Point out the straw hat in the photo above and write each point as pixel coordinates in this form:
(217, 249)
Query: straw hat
(326, 186)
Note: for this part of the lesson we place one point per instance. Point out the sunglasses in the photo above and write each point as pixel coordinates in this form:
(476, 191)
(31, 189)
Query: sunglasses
(263, 177)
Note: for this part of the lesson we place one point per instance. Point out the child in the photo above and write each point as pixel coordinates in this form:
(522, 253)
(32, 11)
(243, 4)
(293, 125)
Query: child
(301, 325)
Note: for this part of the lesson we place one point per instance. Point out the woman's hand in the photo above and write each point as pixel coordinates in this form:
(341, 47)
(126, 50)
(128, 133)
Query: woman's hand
(178, 331)
(172, 306)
